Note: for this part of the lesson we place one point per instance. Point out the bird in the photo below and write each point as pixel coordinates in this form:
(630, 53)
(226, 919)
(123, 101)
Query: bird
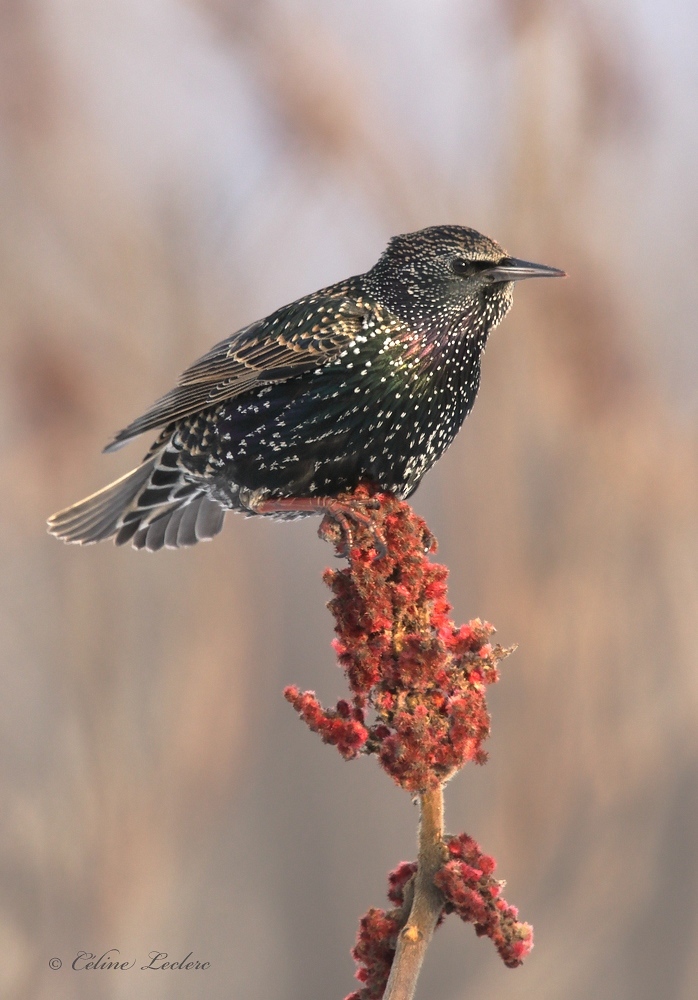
(365, 381)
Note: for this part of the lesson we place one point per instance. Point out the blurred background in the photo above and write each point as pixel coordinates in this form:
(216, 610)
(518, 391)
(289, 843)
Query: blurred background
(174, 169)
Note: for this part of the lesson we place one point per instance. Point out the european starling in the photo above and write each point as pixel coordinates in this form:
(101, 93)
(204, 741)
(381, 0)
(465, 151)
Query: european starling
(368, 380)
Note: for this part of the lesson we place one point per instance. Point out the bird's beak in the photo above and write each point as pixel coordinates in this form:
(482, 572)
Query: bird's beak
(511, 269)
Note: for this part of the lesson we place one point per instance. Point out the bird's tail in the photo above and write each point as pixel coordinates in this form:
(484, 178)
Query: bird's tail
(151, 506)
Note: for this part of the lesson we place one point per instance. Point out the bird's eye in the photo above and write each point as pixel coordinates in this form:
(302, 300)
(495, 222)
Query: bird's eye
(467, 268)
(461, 267)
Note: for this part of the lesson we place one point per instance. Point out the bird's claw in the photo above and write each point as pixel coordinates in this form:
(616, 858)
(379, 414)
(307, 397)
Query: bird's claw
(344, 512)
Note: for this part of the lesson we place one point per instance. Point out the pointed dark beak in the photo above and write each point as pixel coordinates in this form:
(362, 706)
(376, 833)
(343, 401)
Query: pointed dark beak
(511, 269)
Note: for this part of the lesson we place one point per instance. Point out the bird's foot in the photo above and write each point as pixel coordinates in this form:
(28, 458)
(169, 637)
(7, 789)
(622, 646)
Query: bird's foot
(347, 513)
(343, 512)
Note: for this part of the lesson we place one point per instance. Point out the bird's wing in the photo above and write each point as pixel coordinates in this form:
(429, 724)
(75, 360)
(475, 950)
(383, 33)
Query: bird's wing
(295, 339)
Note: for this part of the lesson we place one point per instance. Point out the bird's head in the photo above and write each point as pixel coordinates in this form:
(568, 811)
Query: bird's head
(445, 272)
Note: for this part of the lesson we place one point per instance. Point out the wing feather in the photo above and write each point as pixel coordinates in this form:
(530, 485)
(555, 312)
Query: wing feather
(295, 339)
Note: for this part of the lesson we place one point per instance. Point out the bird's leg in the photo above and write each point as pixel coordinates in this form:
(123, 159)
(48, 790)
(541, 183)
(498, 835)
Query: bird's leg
(343, 512)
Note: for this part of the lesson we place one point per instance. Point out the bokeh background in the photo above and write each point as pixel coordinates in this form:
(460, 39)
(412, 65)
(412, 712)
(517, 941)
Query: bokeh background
(172, 170)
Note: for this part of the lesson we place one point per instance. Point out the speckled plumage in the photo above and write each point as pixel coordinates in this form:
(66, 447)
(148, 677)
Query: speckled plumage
(367, 380)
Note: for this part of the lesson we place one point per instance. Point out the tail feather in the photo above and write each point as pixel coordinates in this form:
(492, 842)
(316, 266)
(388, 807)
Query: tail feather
(197, 521)
(101, 514)
(148, 506)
